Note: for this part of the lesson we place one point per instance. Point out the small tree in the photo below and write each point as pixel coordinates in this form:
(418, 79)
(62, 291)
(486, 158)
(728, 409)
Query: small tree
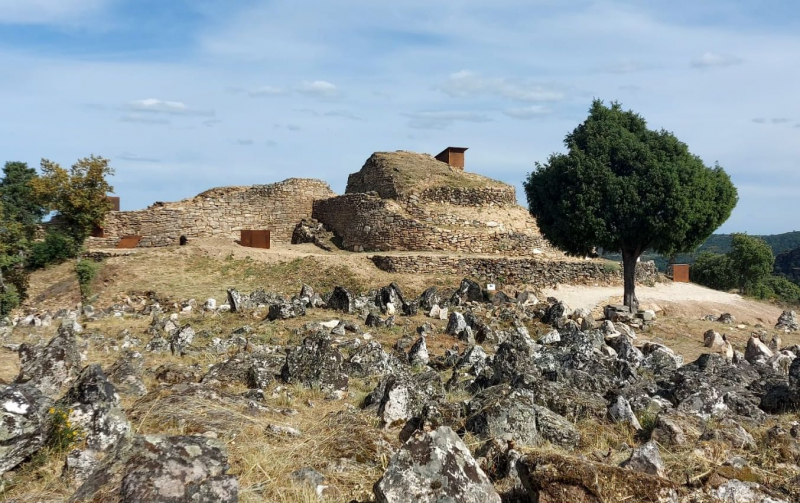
(16, 194)
(623, 187)
(77, 195)
(751, 260)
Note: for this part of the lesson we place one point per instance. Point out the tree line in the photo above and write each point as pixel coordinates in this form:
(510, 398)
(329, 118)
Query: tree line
(76, 197)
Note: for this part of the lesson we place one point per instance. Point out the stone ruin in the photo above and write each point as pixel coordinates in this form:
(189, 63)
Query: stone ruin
(398, 201)
(220, 212)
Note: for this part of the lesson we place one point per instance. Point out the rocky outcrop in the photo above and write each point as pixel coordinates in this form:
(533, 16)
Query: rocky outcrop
(53, 366)
(24, 423)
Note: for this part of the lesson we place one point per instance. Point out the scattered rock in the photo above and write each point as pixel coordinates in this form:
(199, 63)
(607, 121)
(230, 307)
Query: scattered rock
(24, 423)
(53, 366)
(646, 459)
(316, 362)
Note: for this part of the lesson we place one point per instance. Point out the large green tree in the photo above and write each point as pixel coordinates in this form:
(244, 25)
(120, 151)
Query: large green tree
(624, 187)
(13, 278)
(78, 195)
(16, 194)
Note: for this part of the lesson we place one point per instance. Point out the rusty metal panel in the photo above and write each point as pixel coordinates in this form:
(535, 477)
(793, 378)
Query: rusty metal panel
(453, 156)
(114, 202)
(680, 273)
(255, 239)
(457, 159)
(129, 242)
(246, 238)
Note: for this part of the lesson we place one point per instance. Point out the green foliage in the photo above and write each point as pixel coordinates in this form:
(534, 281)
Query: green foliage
(13, 245)
(752, 261)
(77, 195)
(63, 434)
(86, 270)
(623, 187)
(777, 288)
(9, 299)
(16, 195)
(714, 271)
(787, 264)
(56, 248)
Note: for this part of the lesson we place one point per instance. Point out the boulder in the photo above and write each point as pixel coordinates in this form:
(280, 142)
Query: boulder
(646, 459)
(468, 291)
(401, 397)
(512, 415)
(788, 322)
(434, 467)
(177, 469)
(53, 366)
(341, 300)
(181, 339)
(620, 412)
(742, 492)
(726, 318)
(756, 350)
(285, 311)
(456, 324)
(94, 407)
(429, 299)
(316, 363)
(370, 360)
(418, 355)
(712, 339)
(126, 374)
(238, 302)
(24, 423)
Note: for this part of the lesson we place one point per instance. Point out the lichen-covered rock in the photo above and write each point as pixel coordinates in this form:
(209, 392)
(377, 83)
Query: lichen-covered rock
(238, 302)
(94, 407)
(788, 322)
(126, 374)
(79, 465)
(285, 311)
(178, 469)
(315, 362)
(742, 492)
(24, 423)
(181, 339)
(400, 397)
(249, 369)
(712, 339)
(434, 467)
(553, 478)
(53, 366)
(429, 299)
(418, 354)
(341, 300)
(174, 373)
(620, 412)
(369, 360)
(646, 459)
(468, 291)
(512, 415)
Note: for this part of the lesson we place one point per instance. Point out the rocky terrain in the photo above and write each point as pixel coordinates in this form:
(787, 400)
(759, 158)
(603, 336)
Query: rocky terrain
(450, 394)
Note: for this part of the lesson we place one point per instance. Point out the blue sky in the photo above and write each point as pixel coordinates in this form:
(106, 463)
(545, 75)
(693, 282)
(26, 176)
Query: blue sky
(184, 95)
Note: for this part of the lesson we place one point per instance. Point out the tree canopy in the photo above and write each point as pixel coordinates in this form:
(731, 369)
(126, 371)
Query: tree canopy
(16, 195)
(624, 187)
(77, 195)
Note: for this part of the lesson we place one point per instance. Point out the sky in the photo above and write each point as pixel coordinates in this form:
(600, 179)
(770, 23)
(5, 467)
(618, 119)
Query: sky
(185, 95)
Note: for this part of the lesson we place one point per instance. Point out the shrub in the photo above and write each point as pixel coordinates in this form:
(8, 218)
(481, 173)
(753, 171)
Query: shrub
(63, 434)
(86, 271)
(714, 271)
(56, 248)
(9, 299)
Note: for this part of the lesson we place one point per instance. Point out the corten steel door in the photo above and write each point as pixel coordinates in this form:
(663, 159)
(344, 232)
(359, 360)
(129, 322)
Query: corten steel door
(129, 242)
(255, 239)
(114, 202)
(680, 273)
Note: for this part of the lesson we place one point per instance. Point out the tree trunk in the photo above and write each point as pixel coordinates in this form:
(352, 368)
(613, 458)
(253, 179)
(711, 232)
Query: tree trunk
(629, 274)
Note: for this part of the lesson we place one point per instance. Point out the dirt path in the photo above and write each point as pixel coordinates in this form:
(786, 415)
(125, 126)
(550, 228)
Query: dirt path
(675, 299)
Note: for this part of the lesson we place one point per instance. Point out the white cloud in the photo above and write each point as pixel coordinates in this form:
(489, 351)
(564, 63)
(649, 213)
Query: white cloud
(443, 119)
(343, 114)
(712, 60)
(466, 83)
(244, 141)
(530, 112)
(319, 89)
(49, 11)
(156, 106)
(265, 91)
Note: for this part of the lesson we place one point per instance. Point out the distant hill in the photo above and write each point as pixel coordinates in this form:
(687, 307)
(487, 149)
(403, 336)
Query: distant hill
(788, 264)
(720, 244)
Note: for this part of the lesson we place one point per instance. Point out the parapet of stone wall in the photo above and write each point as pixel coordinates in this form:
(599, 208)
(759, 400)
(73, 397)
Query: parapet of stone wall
(220, 212)
(366, 222)
(541, 273)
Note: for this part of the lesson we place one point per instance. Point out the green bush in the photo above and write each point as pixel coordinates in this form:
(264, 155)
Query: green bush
(776, 287)
(86, 271)
(714, 271)
(63, 434)
(9, 299)
(55, 249)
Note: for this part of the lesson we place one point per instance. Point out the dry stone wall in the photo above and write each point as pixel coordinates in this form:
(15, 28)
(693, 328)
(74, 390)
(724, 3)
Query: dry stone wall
(538, 272)
(366, 222)
(220, 212)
